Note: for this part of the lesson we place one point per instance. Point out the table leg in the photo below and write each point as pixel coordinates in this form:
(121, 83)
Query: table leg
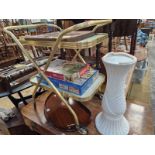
(22, 98)
(98, 56)
(110, 39)
(126, 44)
(63, 53)
(133, 43)
(14, 100)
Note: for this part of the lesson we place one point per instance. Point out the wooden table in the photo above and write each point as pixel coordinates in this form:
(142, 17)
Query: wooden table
(139, 117)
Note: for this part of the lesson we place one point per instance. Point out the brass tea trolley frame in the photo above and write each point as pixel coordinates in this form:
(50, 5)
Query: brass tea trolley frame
(59, 43)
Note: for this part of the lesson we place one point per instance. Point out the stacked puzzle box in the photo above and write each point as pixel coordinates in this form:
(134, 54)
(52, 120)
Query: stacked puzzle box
(71, 77)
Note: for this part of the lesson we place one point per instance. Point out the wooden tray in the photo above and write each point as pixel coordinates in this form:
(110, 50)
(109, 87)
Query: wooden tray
(70, 37)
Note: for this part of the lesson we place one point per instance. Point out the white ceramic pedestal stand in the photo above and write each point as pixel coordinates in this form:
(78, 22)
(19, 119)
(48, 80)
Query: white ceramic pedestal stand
(111, 120)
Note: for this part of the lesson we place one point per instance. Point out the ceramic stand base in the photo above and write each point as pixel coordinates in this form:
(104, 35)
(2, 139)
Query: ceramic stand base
(110, 126)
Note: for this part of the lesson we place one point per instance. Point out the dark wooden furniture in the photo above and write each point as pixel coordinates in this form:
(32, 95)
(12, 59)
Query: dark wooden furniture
(9, 52)
(121, 28)
(15, 126)
(15, 79)
(140, 118)
(15, 75)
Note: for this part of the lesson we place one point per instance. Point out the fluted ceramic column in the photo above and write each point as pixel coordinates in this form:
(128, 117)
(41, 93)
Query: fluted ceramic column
(111, 120)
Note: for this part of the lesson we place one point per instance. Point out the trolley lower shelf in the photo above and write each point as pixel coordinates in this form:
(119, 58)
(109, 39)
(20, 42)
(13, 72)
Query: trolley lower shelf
(88, 95)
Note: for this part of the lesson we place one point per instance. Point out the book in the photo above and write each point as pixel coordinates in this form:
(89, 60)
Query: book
(66, 70)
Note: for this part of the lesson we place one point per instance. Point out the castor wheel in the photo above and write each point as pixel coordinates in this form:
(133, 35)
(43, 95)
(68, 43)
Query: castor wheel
(99, 96)
(82, 130)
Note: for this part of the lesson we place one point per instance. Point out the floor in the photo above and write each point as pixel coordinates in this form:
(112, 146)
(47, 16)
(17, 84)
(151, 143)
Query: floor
(152, 76)
(141, 91)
